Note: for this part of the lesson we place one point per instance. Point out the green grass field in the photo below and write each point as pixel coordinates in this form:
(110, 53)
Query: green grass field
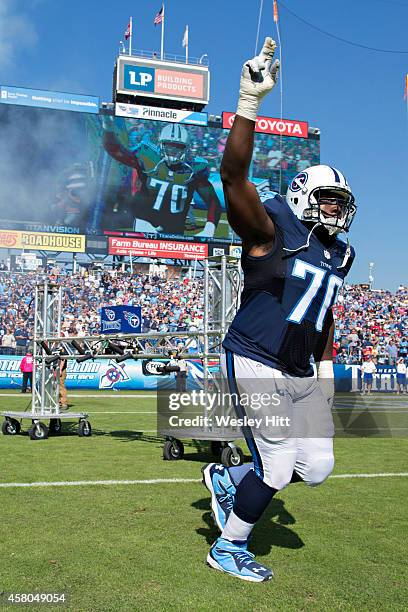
(140, 546)
(222, 230)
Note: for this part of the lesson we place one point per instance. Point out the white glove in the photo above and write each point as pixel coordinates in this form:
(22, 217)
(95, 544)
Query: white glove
(258, 78)
(208, 231)
(140, 225)
(325, 376)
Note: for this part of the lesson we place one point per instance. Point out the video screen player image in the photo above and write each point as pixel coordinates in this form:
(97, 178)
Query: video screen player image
(81, 173)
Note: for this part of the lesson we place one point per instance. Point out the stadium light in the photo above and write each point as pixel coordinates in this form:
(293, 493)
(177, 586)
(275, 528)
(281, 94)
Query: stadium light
(370, 274)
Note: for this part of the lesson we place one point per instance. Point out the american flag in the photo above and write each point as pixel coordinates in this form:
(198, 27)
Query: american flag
(128, 32)
(159, 17)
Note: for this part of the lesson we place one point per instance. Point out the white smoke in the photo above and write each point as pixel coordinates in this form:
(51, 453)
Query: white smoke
(36, 146)
(17, 32)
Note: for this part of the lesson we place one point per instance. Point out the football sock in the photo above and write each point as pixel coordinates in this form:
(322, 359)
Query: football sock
(236, 529)
(252, 498)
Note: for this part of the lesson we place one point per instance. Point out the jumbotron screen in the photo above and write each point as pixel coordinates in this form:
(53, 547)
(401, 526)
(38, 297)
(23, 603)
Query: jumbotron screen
(97, 174)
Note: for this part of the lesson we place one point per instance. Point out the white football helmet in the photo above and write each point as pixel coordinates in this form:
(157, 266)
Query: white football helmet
(174, 141)
(320, 186)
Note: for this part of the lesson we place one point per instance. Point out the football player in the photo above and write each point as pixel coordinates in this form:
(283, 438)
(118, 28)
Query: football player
(169, 178)
(294, 264)
(72, 196)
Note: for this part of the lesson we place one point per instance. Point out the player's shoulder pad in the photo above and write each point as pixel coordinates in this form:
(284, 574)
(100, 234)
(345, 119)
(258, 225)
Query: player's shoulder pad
(342, 250)
(200, 161)
(200, 166)
(276, 206)
(148, 152)
(146, 147)
(342, 247)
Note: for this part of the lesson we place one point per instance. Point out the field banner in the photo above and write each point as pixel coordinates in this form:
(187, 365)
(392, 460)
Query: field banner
(42, 241)
(157, 79)
(102, 374)
(164, 249)
(49, 99)
(121, 320)
(270, 125)
(172, 115)
(107, 374)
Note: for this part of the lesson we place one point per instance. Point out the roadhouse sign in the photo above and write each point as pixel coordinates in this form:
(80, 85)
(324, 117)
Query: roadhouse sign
(270, 125)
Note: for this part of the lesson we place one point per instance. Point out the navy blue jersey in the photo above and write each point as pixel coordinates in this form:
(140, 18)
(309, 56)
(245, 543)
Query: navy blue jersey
(287, 295)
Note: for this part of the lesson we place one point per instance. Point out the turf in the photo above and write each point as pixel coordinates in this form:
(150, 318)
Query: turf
(341, 546)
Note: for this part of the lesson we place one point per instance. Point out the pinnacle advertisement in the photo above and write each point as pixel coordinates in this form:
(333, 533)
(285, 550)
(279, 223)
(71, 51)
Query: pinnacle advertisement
(172, 115)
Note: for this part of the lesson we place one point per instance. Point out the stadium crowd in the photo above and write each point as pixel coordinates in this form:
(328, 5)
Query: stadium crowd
(367, 322)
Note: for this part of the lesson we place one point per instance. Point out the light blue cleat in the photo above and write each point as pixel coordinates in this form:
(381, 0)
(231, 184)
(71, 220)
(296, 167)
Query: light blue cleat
(218, 481)
(233, 558)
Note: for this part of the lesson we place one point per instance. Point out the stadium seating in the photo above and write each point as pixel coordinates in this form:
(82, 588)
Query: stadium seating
(367, 321)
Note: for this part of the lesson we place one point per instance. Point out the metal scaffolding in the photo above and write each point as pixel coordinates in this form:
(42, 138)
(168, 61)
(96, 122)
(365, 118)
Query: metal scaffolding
(222, 288)
(45, 396)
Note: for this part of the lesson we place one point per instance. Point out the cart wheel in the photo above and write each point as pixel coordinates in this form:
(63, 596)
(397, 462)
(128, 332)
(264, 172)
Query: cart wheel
(231, 457)
(38, 431)
(173, 450)
(55, 427)
(84, 429)
(11, 427)
(217, 447)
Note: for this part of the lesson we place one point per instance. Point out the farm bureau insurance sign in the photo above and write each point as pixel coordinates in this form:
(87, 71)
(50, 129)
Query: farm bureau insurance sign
(165, 249)
(270, 125)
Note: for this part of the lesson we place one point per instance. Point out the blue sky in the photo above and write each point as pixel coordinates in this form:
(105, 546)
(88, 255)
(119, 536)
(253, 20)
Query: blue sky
(355, 96)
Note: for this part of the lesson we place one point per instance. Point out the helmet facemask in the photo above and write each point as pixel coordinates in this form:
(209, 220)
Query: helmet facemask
(173, 152)
(331, 207)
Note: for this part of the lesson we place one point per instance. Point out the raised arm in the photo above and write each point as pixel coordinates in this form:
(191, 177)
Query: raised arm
(245, 212)
(114, 147)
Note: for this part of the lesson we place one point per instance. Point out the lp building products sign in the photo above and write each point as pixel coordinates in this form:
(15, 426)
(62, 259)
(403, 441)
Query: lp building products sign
(152, 79)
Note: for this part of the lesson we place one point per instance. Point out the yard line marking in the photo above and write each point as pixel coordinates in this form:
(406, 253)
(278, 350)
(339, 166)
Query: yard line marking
(84, 483)
(379, 475)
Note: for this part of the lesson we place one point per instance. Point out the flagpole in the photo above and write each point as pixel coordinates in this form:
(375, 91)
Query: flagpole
(131, 35)
(162, 35)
